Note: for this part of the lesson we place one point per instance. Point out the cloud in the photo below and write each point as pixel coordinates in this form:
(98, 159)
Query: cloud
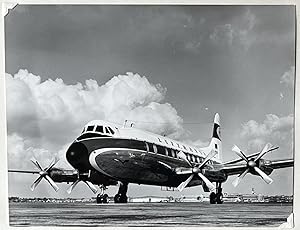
(238, 32)
(223, 33)
(45, 116)
(274, 129)
(288, 77)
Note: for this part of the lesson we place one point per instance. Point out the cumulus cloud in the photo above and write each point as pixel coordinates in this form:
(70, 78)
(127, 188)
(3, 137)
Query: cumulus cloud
(288, 77)
(50, 114)
(274, 129)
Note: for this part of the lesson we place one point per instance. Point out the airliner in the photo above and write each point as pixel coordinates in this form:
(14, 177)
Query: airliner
(106, 154)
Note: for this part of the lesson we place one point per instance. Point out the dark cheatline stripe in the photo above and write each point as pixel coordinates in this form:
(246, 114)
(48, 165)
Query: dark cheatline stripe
(93, 144)
(90, 135)
(98, 143)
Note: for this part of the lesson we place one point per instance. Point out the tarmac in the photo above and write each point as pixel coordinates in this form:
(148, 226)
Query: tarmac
(149, 214)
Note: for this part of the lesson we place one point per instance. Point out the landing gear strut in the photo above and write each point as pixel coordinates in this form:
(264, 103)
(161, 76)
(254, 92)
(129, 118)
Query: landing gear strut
(101, 197)
(218, 196)
(121, 197)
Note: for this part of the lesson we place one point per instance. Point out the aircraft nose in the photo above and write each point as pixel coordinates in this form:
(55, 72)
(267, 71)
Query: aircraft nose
(77, 156)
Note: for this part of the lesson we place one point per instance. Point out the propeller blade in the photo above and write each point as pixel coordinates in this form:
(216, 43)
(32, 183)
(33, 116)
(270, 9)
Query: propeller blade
(70, 189)
(185, 183)
(264, 176)
(265, 150)
(240, 177)
(239, 153)
(207, 182)
(36, 163)
(182, 156)
(54, 162)
(91, 186)
(36, 182)
(207, 158)
(52, 183)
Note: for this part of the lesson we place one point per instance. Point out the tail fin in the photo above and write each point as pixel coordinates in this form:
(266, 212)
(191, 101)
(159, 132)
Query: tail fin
(215, 143)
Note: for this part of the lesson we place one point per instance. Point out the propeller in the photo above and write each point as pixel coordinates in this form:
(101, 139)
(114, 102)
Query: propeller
(88, 183)
(44, 173)
(195, 171)
(252, 164)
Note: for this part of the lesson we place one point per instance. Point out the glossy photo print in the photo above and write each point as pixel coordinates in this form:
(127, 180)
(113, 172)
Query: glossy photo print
(150, 115)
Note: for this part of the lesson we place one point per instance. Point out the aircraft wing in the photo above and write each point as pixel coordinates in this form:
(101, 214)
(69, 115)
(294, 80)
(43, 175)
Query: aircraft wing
(52, 175)
(24, 171)
(232, 169)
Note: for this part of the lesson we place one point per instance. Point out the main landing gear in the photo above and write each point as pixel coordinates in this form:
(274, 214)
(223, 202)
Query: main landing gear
(101, 197)
(121, 197)
(216, 198)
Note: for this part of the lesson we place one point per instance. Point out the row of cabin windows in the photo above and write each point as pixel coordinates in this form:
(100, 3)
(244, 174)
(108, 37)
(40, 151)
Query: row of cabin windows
(100, 129)
(171, 152)
(178, 145)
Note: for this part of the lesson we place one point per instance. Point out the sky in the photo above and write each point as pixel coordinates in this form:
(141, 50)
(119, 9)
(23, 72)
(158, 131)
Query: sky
(172, 66)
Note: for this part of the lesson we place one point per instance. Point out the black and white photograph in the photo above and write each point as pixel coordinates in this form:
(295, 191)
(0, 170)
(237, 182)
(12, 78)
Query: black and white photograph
(150, 115)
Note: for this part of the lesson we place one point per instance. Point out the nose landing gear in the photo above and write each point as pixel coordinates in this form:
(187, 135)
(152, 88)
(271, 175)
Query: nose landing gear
(121, 197)
(216, 198)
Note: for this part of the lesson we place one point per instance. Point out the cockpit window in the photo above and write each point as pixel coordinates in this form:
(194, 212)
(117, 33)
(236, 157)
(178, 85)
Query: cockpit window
(83, 130)
(111, 130)
(99, 129)
(90, 128)
(107, 131)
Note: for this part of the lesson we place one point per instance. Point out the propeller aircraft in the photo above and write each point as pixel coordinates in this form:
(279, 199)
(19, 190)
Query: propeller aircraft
(106, 154)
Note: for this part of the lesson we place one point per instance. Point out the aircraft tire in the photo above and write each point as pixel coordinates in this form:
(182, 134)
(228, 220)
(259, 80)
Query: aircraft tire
(119, 198)
(212, 198)
(219, 198)
(102, 199)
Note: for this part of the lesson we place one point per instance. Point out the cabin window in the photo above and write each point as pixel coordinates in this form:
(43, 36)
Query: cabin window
(178, 145)
(90, 128)
(216, 146)
(154, 148)
(166, 141)
(166, 152)
(189, 157)
(147, 146)
(173, 153)
(193, 158)
(160, 150)
(151, 148)
(159, 139)
(169, 152)
(111, 130)
(184, 147)
(99, 129)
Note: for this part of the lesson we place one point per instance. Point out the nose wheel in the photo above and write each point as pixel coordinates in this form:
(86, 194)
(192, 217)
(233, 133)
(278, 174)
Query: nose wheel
(121, 197)
(216, 197)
